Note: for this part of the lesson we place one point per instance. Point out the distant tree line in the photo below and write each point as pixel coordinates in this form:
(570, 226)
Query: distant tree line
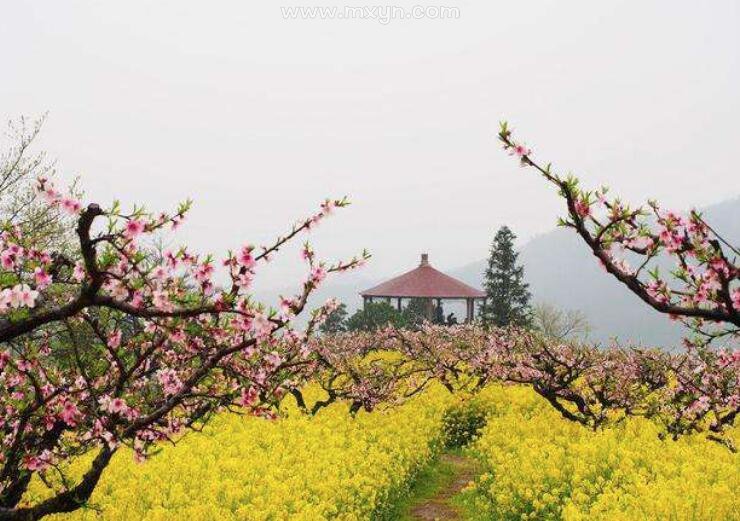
(377, 315)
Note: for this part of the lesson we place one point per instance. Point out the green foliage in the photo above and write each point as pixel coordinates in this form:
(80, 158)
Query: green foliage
(375, 315)
(414, 313)
(462, 422)
(336, 322)
(507, 294)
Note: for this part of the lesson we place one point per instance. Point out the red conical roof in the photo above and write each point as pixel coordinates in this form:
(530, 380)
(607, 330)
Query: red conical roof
(424, 282)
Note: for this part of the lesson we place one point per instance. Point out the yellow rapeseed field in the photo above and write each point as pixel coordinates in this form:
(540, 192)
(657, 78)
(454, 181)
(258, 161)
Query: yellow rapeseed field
(543, 467)
(334, 466)
(331, 466)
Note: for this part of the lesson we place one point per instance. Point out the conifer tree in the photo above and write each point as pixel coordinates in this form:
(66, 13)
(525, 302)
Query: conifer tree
(507, 294)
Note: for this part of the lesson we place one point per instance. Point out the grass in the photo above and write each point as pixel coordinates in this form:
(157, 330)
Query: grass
(434, 492)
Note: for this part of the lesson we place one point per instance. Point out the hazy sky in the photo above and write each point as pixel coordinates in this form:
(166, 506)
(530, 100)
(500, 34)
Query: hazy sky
(258, 118)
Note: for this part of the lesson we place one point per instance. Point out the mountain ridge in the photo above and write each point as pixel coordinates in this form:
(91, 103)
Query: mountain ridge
(562, 271)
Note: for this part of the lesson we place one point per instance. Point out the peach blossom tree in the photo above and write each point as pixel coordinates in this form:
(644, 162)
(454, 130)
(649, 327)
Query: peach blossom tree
(701, 289)
(118, 344)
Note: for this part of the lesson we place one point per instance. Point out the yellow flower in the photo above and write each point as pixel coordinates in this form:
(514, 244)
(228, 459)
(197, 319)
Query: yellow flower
(621, 473)
(331, 466)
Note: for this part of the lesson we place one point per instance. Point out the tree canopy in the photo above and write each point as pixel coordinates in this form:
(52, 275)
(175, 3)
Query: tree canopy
(506, 291)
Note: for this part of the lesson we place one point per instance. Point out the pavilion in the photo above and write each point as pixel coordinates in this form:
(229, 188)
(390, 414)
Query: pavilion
(426, 283)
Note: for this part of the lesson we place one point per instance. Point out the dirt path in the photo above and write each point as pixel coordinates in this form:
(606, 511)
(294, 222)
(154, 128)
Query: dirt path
(439, 507)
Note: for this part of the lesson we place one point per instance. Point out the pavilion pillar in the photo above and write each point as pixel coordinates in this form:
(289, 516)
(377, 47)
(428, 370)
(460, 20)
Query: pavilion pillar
(398, 304)
(469, 314)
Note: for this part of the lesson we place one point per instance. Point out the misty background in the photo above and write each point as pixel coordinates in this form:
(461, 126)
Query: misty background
(259, 118)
